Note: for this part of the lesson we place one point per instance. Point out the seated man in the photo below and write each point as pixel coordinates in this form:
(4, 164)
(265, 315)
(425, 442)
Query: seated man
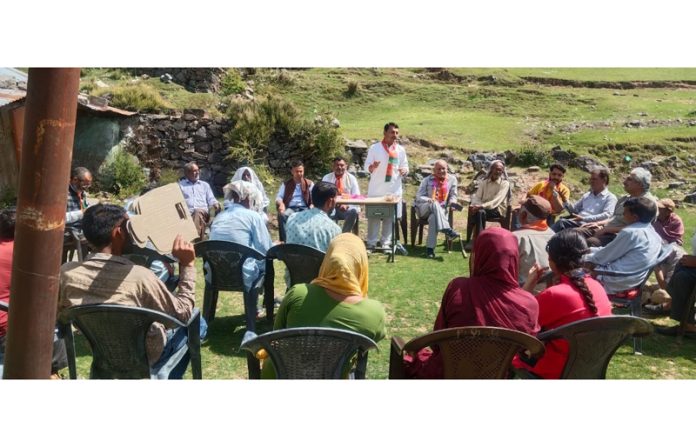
(314, 228)
(241, 225)
(533, 236)
(80, 181)
(346, 184)
(435, 193)
(108, 278)
(595, 205)
(199, 197)
(637, 184)
(293, 196)
(489, 201)
(680, 288)
(636, 246)
(553, 189)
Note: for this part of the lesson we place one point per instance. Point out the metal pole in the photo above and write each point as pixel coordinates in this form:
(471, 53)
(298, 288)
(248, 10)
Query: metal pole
(49, 130)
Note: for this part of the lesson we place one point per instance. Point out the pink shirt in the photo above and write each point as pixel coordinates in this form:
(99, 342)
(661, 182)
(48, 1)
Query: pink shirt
(672, 230)
(6, 249)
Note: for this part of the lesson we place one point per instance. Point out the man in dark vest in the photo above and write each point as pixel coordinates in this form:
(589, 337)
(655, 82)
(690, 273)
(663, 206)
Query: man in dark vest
(294, 195)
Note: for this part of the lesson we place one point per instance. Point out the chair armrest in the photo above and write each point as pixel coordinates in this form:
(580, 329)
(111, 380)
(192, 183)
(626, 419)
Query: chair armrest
(194, 343)
(396, 359)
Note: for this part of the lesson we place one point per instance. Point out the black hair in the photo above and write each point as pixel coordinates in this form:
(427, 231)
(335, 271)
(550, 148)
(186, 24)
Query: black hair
(603, 173)
(644, 208)
(98, 222)
(565, 250)
(296, 164)
(322, 192)
(8, 220)
(390, 124)
(557, 166)
(340, 158)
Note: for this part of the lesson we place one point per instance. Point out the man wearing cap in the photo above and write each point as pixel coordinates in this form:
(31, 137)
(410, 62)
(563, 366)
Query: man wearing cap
(595, 205)
(534, 234)
(670, 227)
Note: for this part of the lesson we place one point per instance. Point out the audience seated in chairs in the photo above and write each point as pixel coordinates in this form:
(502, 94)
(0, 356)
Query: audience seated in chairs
(595, 205)
(294, 196)
(239, 223)
(636, 245)
(107, 277)
(490, 201)
(199, 197)
(534, 234)
(436, 193)
(346, 183)
(576, 296)
(637, 184)
(337, 298)
(248, 175)
(490, 297)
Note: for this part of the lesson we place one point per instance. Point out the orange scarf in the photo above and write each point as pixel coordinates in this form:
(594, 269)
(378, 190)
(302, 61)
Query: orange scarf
(339, 185)
(393, 159)
(440, 190)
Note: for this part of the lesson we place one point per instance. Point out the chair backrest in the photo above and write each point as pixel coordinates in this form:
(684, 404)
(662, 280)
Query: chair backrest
(592, 342)
(116, 335)
(4, 306)
(313, 352)
(146, 256)
(225, 261)
(303, 262)
(477, 352)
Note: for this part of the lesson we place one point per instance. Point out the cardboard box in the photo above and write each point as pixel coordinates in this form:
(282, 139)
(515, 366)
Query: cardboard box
(162, 213)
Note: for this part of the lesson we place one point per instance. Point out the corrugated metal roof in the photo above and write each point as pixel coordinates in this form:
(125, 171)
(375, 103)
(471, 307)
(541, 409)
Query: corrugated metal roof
(13, 85)
(92, 103)
(10, 96)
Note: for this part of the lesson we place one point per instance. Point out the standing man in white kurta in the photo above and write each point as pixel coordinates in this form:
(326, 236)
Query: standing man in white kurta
(387, 163)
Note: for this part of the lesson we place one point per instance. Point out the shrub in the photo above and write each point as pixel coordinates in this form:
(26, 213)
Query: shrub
(135, 97)
(274, 124)
(353, 89)
(533, 157)
(232, 83)
(121, 174)
(168, 175)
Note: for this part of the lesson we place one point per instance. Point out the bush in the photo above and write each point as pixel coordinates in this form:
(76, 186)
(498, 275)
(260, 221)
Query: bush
(273, 124)
(121, 174)
(533, 157)
(353, 89)
(136, 97)
(168, 175)
(232, 83)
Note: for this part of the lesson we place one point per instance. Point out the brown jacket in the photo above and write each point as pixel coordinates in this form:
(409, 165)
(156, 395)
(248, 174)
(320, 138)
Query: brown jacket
(290, 190)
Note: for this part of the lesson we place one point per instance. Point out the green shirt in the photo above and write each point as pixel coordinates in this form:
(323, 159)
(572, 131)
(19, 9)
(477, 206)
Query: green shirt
(307, 305)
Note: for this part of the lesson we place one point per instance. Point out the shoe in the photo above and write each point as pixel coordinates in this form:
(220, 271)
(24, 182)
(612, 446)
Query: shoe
(672, 331)
(370, 249)
(451, 234)
(655, 309)
(430, 253)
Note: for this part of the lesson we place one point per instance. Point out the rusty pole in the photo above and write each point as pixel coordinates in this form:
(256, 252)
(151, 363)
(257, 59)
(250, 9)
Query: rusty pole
(49, 130)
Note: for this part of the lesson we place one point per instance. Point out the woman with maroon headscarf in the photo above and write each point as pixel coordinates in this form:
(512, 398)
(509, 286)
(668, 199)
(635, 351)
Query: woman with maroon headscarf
(491, 296)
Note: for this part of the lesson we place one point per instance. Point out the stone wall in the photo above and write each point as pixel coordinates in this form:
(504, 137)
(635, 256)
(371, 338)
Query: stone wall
(205, 80)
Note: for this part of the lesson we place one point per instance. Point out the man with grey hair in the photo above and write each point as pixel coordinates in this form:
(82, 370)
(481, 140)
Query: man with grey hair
(199, 197)
(435, 193)
(489, 201)
(636, 184)
(595, 205)
(80, 181)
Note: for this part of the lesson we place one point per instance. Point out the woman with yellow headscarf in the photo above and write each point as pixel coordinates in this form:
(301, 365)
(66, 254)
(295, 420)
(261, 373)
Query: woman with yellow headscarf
(337, 298)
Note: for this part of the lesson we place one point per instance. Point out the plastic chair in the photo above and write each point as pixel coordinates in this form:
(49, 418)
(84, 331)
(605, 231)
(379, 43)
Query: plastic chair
(592, 343)
(418, 223)
(472, 352)
(303, 263)
(145, 256)
(117, 336)
(310, 352)
(74, 242)
(225, 261)
(632, 298)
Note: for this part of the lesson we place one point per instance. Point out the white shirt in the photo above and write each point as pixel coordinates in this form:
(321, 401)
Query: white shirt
(378, 186)
(350, 184)
(593, 208)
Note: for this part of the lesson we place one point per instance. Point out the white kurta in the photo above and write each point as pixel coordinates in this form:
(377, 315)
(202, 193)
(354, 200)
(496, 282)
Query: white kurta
(378, 186)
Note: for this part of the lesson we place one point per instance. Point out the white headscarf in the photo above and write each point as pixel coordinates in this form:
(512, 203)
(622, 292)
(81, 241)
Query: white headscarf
(239, 173)
(245, 190)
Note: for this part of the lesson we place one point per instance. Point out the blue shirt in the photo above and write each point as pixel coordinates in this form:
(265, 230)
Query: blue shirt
(245, 227)
(297, 200)
(635, 247)
(595, 207)
(198, 195)
(312, 228)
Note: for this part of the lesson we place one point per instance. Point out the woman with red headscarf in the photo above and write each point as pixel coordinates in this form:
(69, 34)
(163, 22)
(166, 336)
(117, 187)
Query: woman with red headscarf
(491, 296)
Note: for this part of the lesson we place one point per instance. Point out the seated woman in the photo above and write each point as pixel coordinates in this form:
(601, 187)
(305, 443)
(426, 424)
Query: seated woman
(491, 296)
(577, 296)
(248, 175)
(337, 298)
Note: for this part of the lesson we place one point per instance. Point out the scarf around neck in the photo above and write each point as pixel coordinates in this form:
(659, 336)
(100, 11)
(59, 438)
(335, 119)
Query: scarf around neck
(393, 160)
